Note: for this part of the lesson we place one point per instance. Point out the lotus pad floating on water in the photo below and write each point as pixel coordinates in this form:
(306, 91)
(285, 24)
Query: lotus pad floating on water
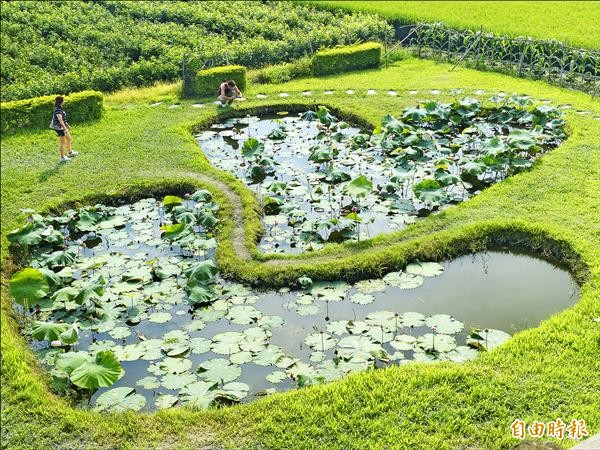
(323, 181)
(130, 303)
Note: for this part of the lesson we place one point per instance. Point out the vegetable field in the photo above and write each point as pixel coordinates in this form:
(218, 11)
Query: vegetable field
(50, 47)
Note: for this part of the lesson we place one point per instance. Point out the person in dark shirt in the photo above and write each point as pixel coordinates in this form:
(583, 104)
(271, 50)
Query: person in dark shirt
(228, 91)
(60, 125)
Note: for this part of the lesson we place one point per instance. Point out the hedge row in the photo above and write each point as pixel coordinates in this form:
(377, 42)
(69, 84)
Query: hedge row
(205, 83)
(344, 59)
(36, 113)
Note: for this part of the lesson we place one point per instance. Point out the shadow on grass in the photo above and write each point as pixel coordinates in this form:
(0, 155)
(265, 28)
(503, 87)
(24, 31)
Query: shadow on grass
(46, 174)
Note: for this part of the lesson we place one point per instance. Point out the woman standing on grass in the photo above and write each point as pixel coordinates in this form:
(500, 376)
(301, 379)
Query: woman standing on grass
(63, 130)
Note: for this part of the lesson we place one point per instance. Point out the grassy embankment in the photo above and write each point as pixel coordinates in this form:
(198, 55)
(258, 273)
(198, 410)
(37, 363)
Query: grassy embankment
(542, 373)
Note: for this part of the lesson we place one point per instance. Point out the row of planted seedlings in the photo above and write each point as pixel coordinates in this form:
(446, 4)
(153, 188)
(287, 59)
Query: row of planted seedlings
(125, 308)
(321, 180)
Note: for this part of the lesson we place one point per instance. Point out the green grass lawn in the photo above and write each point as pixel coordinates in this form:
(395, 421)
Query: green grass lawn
(576, 23)
(540, 374)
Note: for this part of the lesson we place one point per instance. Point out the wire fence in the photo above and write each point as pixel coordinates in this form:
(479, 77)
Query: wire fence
(548, 60)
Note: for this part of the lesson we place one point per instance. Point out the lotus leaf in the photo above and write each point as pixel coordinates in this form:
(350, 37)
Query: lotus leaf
(270, 322)
(199, 294)
(28, 234)
(359, 349)
(444, 324)
(93, 289)
(425, 269)
(28, 286)
(48, 331)
(160, 317)
(307, 310)
(403, 342)
(175, 365)
(276, 377)
(370, 286)
(436, 342)
(165, 401)
(269, 356)
(252, 147)
(219, 370)
(102, 371)
(120, 332)
(227, 343)
(357, 327)
(320, 341)
(385, 319)
(68, 362)
(403, 280)
(199, 394)
(208, 314)
(201, 196)
(413, 319)
(487, 339)
(243, 315)
(362, 299)
(202, 271)
(234, 391)
(358, 187)
(174, 231)
(120, 399)
(171, 201)
(148, 383)
(460, 354)
(240, 357)
(178, 380)
(429, 191)
(337, 327)
(200, 345)
(70, 336)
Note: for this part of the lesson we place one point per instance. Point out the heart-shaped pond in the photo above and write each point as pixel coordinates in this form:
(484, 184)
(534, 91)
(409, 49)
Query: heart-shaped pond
(320, 180)
(128, 300)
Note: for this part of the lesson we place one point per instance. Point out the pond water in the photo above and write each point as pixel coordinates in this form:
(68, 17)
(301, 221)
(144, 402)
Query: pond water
(497, 296)
(321, 180)
(180, 347)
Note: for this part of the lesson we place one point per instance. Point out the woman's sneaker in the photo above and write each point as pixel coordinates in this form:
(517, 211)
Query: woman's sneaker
(73, 153)
(64, 159)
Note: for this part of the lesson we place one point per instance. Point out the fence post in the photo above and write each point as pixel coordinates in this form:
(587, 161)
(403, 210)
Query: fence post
(184, 75)
(479, 46)
(525, 47)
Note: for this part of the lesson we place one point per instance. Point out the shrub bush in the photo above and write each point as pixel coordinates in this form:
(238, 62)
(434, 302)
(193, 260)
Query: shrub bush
(344, 59)
(206, 82)
(282, 73)
(36, 113)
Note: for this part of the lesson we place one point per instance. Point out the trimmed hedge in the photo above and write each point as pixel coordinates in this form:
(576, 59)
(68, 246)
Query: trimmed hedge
(344, 59)
(36, 113)
(206, 82)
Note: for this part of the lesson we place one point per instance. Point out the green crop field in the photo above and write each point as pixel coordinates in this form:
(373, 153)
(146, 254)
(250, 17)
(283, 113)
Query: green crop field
(576, 23)
(138, 149)
(68, 46)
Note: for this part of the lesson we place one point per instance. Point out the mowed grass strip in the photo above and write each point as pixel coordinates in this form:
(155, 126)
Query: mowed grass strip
(542, 373)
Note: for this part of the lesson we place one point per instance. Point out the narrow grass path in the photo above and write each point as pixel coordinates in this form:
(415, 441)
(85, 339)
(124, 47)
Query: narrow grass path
(238, 234)
(138, 150)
